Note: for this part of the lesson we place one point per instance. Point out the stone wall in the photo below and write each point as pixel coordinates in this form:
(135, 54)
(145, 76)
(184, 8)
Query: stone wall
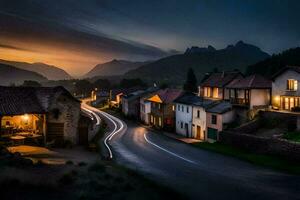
(69, 114)
(273, 146)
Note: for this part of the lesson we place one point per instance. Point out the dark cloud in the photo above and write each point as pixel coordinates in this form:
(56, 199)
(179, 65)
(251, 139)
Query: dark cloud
(6, 46)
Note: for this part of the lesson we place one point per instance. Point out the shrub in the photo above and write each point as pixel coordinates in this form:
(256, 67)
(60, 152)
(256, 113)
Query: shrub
(67, 179)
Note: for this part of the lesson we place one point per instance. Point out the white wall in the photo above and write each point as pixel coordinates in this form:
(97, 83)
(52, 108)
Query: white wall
(259, 97)
(199, 121)
(182, 116)
(145, 109)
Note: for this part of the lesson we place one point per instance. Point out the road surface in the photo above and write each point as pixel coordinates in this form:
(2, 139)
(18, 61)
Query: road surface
(199, 174)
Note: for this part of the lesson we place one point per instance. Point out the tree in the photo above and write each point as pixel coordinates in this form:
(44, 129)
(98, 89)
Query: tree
(83, 87)
(102, 84)
(128, 83)
(29, 83)
(191, 82)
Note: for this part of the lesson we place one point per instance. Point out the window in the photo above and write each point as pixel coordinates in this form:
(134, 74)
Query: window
(292, 84)
(187, 109)
(173, 108)
(181, 125)
(215, 92)
(159, 122)
(198, 113)
(159, 106)
(182, 108)
(214, 119)
(178, 107)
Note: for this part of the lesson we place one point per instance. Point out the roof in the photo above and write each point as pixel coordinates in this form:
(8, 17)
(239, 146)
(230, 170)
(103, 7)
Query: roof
(21, 100)
(167, 95)
(251, 82)
(140, 93)
(220, 79)
(220, 107)
(190, 99)
(294, 68)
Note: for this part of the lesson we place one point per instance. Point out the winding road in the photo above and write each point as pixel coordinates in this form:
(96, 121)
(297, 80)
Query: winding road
(197, 173)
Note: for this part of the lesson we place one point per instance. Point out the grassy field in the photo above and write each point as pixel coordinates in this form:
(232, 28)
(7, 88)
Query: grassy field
(269, 161)
(293, 136)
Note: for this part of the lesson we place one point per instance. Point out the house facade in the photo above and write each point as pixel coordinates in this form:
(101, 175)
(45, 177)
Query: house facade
(213, 85)
(285, 89)
(217, 117)
(191, 116)
(162, 115)
(131, 104)
(51, 113)
(250, 92)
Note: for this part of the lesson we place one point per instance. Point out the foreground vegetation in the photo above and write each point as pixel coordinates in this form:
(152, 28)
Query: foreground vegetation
(269, 161)
(293, 136)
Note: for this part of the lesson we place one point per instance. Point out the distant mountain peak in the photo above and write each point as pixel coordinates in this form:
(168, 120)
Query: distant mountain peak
(195, 49)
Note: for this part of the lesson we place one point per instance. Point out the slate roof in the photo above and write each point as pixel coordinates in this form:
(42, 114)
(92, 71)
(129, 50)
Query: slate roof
(168, 95)
(140, 93)
(190, 99)
(251, 82)
(294, 68)
(21, 100)
(220, 108)
(219, 79)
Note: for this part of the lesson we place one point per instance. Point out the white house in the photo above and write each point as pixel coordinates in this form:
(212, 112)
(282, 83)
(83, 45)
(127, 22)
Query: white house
(285, 89)
(191, 116)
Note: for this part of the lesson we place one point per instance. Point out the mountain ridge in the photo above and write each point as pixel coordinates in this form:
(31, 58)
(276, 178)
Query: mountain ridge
(13, 75)
(51, 72)
(173, 69)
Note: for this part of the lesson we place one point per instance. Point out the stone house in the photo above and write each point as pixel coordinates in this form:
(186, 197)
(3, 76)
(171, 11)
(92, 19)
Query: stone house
(49, 112)
(285, 89)
(131, 104)
(162, 115)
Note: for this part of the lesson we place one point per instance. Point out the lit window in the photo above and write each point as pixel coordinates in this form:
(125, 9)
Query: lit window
(173, 108)
(292, 84)
(159, 121)
(215, 92)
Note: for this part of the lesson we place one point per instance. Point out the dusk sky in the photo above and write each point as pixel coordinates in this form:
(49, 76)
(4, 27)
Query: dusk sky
(76, 35)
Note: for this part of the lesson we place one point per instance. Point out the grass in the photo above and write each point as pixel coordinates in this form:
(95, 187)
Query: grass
(293, 136)
(269, 161)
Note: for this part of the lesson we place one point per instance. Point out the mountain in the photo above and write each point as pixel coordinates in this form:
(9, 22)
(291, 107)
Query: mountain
(195, 49)
(273, 64)
(49, 71)
(114, 68)
(12, 75)
(173, 69)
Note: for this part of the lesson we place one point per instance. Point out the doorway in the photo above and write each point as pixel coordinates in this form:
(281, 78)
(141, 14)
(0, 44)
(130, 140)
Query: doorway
(198, 133)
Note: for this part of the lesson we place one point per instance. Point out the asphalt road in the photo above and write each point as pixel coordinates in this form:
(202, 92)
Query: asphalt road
(197, 173)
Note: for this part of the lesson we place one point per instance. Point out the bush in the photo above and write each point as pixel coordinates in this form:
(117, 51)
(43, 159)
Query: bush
(67, 179)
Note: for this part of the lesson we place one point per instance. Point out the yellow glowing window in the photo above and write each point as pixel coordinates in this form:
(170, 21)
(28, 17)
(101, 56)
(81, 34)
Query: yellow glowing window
(215, 92)
(292, 84)
(159, 121)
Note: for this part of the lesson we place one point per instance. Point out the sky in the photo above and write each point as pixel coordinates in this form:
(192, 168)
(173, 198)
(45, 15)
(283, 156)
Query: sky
(76, 34)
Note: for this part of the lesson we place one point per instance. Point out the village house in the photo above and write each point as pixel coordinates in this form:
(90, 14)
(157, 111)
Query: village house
(191, 115)
(213, 85)
(100, 97)
(145, 107)
(131, 104)
(49, 114)
(251, 92)
(217, 117)
(162, 113)
(285, 89)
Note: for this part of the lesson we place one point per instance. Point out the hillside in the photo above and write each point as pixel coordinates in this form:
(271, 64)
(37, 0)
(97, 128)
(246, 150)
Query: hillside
(114, 68)
(49, 71)
(12, 75)
(273, 64)
(173, 69)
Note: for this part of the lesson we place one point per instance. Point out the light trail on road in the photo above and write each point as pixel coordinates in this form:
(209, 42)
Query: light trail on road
(167, 151)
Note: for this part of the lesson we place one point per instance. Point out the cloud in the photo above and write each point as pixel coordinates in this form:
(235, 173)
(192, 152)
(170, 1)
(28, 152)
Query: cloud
(7, 46)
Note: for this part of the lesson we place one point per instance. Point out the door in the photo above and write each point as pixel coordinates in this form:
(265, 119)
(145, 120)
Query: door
(55, 133)
(83, 135)
(198, 133)
(212, 134)
(186, 127)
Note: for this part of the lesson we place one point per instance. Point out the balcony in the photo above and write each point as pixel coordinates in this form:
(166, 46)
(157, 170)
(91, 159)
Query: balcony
(239, 101)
